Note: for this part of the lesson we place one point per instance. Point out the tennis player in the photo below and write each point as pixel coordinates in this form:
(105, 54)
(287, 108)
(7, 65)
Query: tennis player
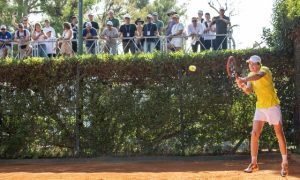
(259, 81)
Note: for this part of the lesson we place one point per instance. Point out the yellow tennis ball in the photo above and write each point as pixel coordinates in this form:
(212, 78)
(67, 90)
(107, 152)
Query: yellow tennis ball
(192, 68)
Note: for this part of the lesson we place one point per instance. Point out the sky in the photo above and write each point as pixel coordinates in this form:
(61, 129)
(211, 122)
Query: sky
(250, 15)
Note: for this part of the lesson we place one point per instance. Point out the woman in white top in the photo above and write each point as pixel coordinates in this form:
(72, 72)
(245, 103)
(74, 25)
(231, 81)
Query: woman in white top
(195, 30)
(66, 39)
(209, 32)
(177, 32)
(38, 38)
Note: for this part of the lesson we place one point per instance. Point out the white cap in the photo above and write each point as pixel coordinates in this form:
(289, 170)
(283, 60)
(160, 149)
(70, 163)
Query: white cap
(175, 16)
(91, 14)
(109, 23)
(222, 8)
(254, 59)
(149, 15)
(155, 14)
(88, 24)
(127, 16)
(200, 12)
(3, 27)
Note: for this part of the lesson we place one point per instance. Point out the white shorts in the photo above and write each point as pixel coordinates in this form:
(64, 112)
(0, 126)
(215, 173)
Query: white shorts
(271, 115)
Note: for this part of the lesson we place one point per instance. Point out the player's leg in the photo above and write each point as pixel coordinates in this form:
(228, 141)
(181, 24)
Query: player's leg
(256, 131)
(282, 146)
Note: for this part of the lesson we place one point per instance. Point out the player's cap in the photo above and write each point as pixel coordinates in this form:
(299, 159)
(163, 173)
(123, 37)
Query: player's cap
(154, 14)
(200, 12)
(127, 16)
(254, 59)
(109, 23)
(3, 27)
(88, 24)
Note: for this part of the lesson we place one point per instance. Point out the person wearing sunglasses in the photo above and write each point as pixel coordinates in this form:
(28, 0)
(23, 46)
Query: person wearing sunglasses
(5, 41)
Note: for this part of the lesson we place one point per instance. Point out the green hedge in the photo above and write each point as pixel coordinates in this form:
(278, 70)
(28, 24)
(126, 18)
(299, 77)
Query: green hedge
(133, 105)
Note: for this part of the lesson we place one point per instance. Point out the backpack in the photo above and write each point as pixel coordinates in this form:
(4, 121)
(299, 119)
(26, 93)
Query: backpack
(18, 33)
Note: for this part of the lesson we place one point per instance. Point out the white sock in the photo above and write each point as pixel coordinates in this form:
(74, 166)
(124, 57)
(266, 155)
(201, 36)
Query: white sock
(254, 159)
(284, 158)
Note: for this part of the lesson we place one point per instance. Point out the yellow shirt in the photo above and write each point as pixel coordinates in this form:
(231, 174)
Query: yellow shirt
(264, 89)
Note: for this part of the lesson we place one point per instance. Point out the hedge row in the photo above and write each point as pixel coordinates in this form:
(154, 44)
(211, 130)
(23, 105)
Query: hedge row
(133, 105)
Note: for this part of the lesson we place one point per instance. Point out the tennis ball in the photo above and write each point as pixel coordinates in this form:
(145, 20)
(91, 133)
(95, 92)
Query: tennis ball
(192, 68)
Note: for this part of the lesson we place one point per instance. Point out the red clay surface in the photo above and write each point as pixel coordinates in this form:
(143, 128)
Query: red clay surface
(145, 169)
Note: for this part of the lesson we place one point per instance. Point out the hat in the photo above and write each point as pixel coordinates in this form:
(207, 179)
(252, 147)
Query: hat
(109, 23)
(111, 11)
(3, 27)
(171, 11)
(88, 24)
(91, 14)
(254, 59)
(200, 12)
(155, 14)
(25, 18)
(139, 20)
(149, 16)
(74, 17)
(222, 8)
(175, 16)
(127, 16)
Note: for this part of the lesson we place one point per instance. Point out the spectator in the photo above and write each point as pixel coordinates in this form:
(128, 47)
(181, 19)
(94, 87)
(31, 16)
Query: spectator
(200, 16)
(50, 44)
(91, 20)
(110, 34)
(195, 30)
(177, 31)
(116, 22)
(221, 22)
(5, 41)
(90, 35)
(48, 28)
(25, 22)
(38, 37)
(149, 30)
(128, 31)
(139, 33)
(209, 32)
(170, 23)
(66, 45)
(160, 27)
(75, 31)
(22, 38)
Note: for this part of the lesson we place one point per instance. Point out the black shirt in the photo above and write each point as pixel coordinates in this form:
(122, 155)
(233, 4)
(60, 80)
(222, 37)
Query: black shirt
(75, 30)
(221, 26)
(128, 30)
(149, 30)
(94, 25)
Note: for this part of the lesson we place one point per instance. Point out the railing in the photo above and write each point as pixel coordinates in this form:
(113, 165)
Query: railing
(53, 47)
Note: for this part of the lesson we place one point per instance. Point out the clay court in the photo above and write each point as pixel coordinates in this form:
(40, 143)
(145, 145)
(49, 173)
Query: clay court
(228, 167)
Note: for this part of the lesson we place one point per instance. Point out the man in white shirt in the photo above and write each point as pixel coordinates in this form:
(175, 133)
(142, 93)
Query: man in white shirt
(176, 34)
(195, 30)
(48, 28)
(110, 35)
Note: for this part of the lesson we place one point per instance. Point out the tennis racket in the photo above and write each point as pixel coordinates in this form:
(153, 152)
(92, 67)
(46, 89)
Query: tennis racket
(231, 67)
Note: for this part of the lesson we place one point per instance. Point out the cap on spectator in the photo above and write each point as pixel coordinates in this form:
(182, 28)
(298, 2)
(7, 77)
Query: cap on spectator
(149, 16)
(254, 59)
(88, 24)
(222, 8)
(74, 17)
(46, 20)
(20, 25)
(200, 12)
(110, 11)
(155, 14)
(109, 23)
(91, 14)
(127, 16)
(3, 27)
(25, 18)
(139, 20)
(175, 16)
(171, 12)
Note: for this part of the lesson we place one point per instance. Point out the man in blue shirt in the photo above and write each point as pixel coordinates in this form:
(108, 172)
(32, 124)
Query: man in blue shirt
(5, 42)
(149, 30)
(90, 35)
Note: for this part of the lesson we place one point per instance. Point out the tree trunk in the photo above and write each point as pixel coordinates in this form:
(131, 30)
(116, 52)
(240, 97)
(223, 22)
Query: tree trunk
(297, 89)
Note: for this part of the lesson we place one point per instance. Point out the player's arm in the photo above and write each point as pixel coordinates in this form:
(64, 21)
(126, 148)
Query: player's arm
(246, 87)
(254, 77)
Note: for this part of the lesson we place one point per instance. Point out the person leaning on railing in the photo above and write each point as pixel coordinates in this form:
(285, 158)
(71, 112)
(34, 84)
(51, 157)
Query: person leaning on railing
(149, 30)
(209, 32)
(195, 29)
(39, 37)
(74, 26)
(139, 33)
(65, 40)
(90, 35)
(160, 28)
(5, 41)
(176, 42)
(127, 33)
(22, 38)
(110, 35)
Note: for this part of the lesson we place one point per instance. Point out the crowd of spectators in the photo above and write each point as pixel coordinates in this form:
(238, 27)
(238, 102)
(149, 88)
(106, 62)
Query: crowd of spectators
(41, 40)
